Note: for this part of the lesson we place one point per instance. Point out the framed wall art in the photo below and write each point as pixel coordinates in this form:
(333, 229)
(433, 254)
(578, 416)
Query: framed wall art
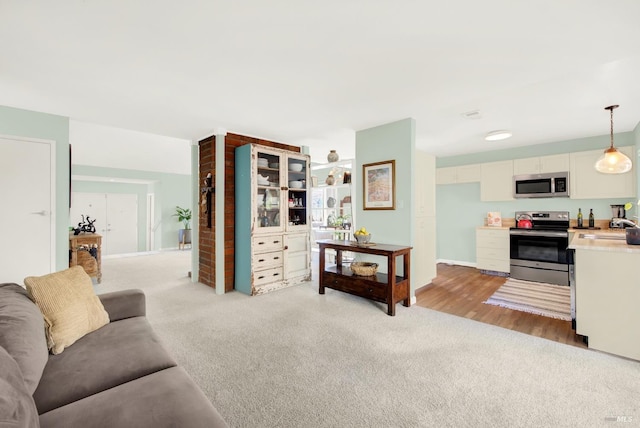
(379, 185)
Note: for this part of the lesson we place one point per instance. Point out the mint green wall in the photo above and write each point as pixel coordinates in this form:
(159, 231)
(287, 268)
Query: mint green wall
(24, 123)
(459, 209)
(393, 141)
(169, 190)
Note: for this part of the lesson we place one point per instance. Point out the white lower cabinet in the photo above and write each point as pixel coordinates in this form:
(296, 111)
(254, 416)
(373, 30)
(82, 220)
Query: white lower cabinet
(279, 261)
(607, 299)
(492, 249)
(297, 260)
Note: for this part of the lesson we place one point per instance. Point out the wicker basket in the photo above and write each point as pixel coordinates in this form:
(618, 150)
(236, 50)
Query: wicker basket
(364, 268)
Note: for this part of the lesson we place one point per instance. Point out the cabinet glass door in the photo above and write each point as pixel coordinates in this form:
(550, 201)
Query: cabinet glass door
(298, 192)
(268, 191)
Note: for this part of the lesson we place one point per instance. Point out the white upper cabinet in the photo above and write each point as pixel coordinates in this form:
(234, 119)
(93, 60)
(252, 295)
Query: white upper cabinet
(496, 182)
(458, 174)
(542, 164)
(587, 183)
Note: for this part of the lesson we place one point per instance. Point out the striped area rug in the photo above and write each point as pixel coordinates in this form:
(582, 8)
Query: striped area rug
(539, 298)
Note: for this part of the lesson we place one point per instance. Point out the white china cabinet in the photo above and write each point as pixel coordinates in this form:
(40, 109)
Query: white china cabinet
(272, 219)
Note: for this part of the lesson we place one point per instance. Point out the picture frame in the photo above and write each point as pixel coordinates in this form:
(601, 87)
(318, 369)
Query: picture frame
(379, 185)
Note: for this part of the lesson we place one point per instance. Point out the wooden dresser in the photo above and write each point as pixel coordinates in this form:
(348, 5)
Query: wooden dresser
(85, 250)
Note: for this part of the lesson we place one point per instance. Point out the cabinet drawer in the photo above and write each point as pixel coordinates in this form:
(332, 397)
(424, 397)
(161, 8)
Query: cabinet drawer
(493, 264)
(488, 233)
(490, 242)
(492, 238)
(263, 244)
(493, 253)
(268, 275)
(263, 261)
(357, 286)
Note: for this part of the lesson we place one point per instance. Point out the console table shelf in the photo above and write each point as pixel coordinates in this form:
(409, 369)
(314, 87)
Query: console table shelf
(388, 288)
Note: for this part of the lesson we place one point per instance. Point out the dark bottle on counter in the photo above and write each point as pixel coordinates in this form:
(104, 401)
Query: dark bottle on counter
(580, 217)
(592, 221)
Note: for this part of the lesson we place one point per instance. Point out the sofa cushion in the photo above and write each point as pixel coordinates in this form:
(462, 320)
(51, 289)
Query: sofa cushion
(124, 304)
(17, 408)
(70, 307)
(117, 353)
(22, 333)
(168, 398)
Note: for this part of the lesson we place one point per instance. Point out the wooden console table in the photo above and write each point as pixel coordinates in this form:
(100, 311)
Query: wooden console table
(387, 288)
(85, 250)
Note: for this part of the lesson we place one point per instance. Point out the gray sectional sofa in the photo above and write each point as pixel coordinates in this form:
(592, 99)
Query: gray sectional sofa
(117, 376)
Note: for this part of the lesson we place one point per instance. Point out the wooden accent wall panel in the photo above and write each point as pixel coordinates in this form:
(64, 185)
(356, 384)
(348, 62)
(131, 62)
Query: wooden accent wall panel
(207, 236)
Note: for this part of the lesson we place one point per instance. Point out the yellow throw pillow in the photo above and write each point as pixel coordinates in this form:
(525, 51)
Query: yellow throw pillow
(69, 305)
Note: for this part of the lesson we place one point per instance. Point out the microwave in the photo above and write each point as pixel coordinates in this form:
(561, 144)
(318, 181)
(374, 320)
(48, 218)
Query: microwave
(549, 185)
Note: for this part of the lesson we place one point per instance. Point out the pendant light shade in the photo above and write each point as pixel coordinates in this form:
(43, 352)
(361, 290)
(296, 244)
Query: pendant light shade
(613, 161)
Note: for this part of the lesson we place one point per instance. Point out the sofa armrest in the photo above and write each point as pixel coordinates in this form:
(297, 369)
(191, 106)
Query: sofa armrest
(124, 304)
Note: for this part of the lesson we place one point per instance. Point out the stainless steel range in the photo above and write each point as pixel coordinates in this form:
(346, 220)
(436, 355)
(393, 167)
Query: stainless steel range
(539, 247)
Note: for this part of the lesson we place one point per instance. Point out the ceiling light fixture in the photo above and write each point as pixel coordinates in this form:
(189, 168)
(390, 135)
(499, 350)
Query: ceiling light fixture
(498, 135)
(613, 161)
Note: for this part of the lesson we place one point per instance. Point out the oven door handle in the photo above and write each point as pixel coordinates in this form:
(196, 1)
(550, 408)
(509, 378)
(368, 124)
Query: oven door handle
(539, 233)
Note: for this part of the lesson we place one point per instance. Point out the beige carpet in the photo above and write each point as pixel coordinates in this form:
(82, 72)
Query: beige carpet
(295, 358)
(549, 300)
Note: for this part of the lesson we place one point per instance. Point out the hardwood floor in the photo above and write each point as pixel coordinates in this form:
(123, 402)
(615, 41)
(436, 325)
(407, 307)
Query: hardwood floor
(460, 290)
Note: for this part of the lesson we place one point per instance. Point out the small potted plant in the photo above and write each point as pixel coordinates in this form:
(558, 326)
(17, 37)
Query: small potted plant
(184, 216)
(344, 221)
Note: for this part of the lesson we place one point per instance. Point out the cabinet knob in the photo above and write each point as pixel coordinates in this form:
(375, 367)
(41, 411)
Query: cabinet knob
(370, 290)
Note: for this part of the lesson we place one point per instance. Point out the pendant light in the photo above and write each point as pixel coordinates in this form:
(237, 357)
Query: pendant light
(613, 161)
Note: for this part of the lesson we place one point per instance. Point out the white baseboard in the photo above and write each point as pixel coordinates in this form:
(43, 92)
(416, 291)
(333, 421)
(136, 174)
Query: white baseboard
(457, 262)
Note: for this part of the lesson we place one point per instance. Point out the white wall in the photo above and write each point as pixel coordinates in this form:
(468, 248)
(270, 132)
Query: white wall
(99, 145)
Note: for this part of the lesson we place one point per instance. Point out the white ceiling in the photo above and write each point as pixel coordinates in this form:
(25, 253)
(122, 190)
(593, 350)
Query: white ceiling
(313, 72)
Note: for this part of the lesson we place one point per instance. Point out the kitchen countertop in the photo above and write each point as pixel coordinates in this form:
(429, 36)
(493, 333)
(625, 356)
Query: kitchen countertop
(493, 227)
(611, 245)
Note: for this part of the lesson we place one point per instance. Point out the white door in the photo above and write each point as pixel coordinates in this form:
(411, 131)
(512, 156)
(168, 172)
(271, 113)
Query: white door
(116, 219)
(122, 223)
(28, 206)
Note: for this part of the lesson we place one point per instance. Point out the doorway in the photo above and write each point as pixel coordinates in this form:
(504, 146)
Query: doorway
(27, 220)
(116, 219)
